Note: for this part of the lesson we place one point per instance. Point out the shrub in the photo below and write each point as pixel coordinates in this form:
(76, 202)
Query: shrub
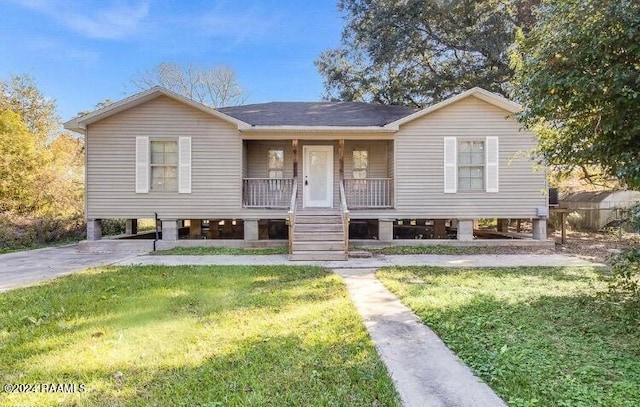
(624, 288)
(17, 231)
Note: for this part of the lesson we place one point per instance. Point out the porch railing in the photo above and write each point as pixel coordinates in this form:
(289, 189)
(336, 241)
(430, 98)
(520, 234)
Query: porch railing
(266, 192)
(369, 192)
(291, 215)
(344, 211)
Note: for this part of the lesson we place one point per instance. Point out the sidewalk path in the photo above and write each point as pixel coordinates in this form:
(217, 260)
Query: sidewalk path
(481, 260)
(425, 372)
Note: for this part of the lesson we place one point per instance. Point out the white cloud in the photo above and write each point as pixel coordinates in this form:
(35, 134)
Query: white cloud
(104, 19)
(49, 49)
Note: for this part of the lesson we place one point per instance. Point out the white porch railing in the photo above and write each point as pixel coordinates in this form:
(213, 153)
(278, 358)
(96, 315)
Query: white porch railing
(266, 192)
(344, 211)
(369, 193)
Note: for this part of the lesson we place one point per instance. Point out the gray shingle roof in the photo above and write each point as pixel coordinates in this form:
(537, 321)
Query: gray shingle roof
(317, 114)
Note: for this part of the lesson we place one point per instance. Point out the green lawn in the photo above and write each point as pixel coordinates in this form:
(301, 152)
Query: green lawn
(437, 249)
(538, 336)
(220, 250)
(191, 336)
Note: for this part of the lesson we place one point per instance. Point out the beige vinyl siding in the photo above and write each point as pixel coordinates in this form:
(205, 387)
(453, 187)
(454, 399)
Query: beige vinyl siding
(215, 163)
(420, 171)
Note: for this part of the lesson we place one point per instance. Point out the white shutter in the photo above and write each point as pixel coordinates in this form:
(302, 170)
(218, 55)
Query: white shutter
(184, 165)
(492, 164)
(142, 165)
(450, 165)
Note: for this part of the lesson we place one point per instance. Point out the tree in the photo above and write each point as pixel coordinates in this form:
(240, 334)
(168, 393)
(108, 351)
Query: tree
(21, 95)
(417, 52)
(215, 86)
(578, 76)
(19, 163)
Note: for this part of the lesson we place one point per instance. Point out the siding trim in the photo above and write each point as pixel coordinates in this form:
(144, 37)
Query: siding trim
(142, 165)
(450, 165)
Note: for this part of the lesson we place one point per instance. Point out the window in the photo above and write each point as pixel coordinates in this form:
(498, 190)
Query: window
(275, 163)
(164, 166)
(360, 164)
(471, 163)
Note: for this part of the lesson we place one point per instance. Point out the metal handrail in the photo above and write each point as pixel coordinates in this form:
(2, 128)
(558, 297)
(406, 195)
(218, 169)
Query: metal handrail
(291, 215)
(344, 210)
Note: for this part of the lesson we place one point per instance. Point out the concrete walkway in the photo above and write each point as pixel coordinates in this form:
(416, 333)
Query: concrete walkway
(29, 267)
(481, 260)
(425, 372)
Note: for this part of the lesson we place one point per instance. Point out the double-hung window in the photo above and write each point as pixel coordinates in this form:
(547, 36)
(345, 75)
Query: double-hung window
(360, 164)
(471, 165)
(164, 166)
(275, 163)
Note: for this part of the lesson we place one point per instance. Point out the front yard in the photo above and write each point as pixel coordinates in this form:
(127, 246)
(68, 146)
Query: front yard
(190, 336)
(537, 336)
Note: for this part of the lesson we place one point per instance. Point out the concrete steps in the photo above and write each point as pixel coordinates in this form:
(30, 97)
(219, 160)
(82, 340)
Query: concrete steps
(318, 235)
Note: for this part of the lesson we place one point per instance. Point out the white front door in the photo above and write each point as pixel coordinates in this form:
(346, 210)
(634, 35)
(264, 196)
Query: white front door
(317, 177)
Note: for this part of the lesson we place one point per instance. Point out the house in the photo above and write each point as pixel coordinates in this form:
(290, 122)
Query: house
(317, 166)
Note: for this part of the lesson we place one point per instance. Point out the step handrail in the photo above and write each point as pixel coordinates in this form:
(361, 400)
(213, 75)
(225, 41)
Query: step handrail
(344, 210)
(291, 215)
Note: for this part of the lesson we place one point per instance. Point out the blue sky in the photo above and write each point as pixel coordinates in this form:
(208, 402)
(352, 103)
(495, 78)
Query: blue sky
(82, 52)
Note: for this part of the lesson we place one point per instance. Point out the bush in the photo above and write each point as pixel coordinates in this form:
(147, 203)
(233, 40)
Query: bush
(18, 231)
(624, 288)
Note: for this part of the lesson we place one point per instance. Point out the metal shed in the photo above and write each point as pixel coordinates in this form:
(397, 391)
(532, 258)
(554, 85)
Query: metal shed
(600, 208)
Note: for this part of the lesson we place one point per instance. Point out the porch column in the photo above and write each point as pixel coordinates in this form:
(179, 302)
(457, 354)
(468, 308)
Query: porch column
(503, 225)
(385, 230)
(341, 158)
(131, 227)
(195, 227)
(170, 230)
(465, 230)
(94, 229)
(540, 229)
(294, 148)
(251, 230)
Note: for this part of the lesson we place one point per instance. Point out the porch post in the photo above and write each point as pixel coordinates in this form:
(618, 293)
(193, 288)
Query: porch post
(465, 229)
(341, 158)
(294, 148)
(131, 227)
(94, 229)
(385, 230)
(170, 230)
(251, 228)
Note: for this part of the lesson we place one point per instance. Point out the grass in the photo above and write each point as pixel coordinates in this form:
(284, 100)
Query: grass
(538, 336)
(201, 251)
(191, 336)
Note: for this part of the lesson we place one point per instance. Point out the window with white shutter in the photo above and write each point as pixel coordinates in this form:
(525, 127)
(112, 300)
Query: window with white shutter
(450, 169)
(492, 164)
(142, 165)
(184, 170)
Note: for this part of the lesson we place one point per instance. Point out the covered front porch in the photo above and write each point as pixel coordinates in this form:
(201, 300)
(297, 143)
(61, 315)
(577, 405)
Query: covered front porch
(362, 168)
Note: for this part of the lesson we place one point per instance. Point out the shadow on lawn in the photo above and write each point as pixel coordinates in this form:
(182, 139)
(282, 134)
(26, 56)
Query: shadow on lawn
(321, 361)
(549, 350)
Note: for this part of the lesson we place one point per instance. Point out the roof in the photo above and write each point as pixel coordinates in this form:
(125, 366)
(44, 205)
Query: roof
(597, 196)
(278, 116)
(317, 114)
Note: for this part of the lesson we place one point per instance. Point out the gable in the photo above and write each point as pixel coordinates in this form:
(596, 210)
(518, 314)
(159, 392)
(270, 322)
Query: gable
(161, 114)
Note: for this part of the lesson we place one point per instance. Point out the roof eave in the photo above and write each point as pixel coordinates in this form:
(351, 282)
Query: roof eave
(331, 129)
